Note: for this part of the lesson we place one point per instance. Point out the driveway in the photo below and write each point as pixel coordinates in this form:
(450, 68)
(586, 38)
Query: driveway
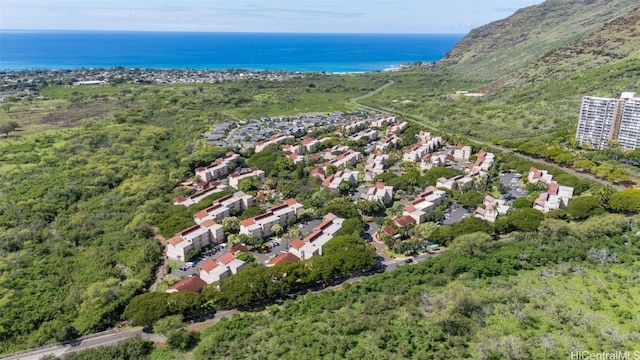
(456, 213)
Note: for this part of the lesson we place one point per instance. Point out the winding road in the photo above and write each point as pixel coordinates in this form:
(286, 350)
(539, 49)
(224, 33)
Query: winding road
(422, 123)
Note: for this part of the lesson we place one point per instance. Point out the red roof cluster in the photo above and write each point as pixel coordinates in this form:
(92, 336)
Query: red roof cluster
(192, 283)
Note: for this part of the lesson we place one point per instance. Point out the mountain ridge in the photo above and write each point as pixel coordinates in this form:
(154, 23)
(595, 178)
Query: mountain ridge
(505, 46)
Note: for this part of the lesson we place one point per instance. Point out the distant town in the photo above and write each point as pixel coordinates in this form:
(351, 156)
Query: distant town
(24, 79)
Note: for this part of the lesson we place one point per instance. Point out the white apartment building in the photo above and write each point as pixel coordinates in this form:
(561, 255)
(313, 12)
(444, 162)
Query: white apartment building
(333, 182)
(279, 139)
(261, 225)
(218, 169)
(236, 177)
(195, 237)
(374, 166)
(223, 207)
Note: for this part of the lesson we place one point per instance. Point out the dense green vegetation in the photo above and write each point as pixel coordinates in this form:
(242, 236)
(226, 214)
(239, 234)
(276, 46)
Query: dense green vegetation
(570, 286)
(77, 207)
(502, 47)
(90, 171)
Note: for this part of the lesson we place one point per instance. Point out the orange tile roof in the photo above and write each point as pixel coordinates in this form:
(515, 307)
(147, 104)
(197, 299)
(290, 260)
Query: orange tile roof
(208, 265)
(192, 283)
(208, 223)
(247, 222)
(226, 258)
(175, 240)
(297, 244)
(290, 202)
(283, 258)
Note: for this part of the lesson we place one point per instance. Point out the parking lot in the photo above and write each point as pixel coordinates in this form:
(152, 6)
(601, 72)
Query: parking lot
(512, 181)
(455, 213)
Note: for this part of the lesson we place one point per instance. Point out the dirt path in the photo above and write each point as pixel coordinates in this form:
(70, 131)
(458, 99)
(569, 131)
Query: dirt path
(161, 271)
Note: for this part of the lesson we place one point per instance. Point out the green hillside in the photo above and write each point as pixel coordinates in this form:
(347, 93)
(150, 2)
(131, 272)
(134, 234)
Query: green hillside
(566, 288)
(541, 98)
(504, 46)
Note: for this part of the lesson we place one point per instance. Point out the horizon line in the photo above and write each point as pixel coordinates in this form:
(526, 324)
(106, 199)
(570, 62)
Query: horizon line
(229, 32)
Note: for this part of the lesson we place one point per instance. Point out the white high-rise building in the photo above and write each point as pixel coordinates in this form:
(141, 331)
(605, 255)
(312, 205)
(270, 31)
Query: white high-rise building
(597, 120)
(603, 120)
(629, 133)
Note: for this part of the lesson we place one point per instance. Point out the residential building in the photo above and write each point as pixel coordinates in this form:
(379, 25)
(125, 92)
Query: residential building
(218, 169)
(629, 131)
(333, 182)
(211, 271)
(234, 265)
(369, 134)
(354, 127)
(317, 172)
(597, 122)
(396, 128)
(374, 166)
(236, 177)
(458, 182)
(441, 158)
(224, 207)
(427, 145)
(191, 283)
(310, 145)
(346, 159)
(536, 176)
(391, 142)
(555, 198)
(378, 123)
(379, 192)
(605, 120)
(195, 237)
(285, 257)
(404, 221)
(261, 225)
(279, 139)
(313, 243)
(190, 200)
(462, 153)
(424, 203)
(491, 208)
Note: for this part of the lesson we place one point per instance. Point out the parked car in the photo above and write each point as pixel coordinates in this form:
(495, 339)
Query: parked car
(409, 260)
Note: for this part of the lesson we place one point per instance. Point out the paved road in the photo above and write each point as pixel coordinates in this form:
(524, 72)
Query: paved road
(103, 339)
(106, 338)
(475, 141)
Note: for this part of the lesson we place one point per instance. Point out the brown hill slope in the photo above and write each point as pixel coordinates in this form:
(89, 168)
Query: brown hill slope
(504, 46)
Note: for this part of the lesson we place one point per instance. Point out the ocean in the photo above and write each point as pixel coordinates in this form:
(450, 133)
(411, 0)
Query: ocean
(21, 50)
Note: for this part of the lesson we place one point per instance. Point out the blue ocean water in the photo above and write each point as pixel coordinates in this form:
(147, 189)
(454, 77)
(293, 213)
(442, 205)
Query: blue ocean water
(218, 51)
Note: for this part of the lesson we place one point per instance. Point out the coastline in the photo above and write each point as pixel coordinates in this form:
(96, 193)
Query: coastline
(279, 52)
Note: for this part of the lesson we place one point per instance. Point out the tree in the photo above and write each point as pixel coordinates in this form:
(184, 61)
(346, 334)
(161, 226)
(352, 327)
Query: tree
(248, 184)
(277, 229)
(145, 309)
(522, 202)
(471, 199)
(525, 219)
(625, 201)
(351, 226)
(231, 224)
(9, 127)
(168, 324)
(250, 212)
(474, 244)
(583, 207)
(246, 257)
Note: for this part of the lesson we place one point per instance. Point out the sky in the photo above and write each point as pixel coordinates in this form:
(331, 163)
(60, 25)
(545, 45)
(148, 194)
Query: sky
(306, 16)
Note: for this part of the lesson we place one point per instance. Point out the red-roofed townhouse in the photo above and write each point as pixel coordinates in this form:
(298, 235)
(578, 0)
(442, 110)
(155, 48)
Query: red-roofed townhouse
(283, 258)
(192, 283)
(211, 271)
